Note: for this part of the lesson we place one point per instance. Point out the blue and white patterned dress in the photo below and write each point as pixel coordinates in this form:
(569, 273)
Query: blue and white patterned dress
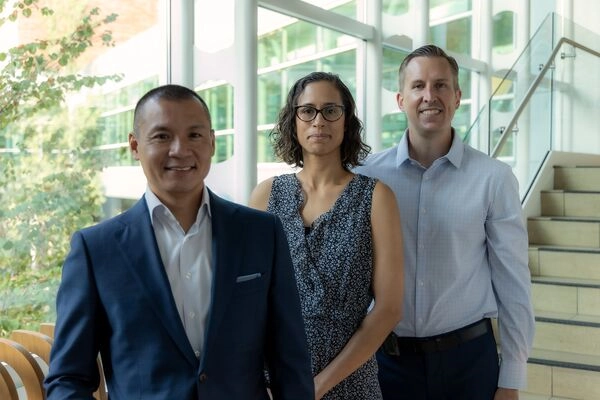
(333, 262)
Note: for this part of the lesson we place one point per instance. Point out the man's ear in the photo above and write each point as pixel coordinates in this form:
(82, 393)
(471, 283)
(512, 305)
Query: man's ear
(400, 101)
(212, 141)
(133, 146)
(458, 97)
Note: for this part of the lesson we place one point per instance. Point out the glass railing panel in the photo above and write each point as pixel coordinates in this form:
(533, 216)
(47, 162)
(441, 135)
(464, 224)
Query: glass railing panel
(559, 114)
(576, 99)
(510, 92)
(547, 101)
(476, 135)
(533, 134)
(565, 28)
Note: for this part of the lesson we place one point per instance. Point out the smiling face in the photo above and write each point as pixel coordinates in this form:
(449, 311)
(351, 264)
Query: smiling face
(174, 143)
(428, 96)
(320, 136)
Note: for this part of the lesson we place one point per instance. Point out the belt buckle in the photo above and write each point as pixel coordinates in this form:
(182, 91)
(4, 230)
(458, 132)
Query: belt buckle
(431, 345)
(390, 345)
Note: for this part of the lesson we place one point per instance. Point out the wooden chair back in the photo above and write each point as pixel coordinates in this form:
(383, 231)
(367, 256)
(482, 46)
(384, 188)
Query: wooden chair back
(8, 389)
(47, 328)
(25, 365)
(35, 342)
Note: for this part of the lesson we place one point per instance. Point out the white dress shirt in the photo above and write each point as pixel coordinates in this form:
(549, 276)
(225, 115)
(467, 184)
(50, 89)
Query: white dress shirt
(186, 257)
(465, 248)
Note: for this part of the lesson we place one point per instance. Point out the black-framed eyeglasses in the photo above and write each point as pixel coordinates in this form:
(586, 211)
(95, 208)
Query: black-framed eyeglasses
(331, 113)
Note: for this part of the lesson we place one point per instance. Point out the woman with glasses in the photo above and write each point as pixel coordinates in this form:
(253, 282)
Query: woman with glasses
(344, 234)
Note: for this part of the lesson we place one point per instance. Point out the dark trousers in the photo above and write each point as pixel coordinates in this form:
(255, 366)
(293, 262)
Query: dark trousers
(467, 372)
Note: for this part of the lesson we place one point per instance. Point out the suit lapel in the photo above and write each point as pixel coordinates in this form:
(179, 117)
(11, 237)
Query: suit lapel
(138, 241)
(225, 263)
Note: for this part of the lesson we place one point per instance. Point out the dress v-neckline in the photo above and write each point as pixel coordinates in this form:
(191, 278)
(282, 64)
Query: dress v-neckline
(323, 215)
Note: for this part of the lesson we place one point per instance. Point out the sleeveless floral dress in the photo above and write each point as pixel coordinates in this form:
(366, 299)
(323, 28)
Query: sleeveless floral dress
(333, 263)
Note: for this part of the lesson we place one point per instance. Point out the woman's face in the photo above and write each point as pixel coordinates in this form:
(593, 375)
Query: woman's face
(323, 134)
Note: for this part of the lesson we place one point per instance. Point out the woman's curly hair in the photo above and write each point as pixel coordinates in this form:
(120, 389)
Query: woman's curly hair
(285, 137)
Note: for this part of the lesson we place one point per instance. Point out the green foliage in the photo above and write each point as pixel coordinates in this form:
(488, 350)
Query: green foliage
(33, 76)
(49, 177)
(27, 299)
(47, 193)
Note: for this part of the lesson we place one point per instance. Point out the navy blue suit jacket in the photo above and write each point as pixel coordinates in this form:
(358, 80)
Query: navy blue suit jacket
(115, 298)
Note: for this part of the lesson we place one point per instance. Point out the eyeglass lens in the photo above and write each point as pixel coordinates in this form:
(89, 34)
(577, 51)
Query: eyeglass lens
(330, 113)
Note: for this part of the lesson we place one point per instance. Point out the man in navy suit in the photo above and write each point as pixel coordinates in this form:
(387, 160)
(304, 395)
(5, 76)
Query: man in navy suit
(185, 295)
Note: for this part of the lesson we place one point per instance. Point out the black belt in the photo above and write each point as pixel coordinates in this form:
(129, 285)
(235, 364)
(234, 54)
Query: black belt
(395, 345)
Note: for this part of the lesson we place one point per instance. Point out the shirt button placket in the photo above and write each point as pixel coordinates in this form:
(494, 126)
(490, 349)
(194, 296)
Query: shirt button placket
(421, 252)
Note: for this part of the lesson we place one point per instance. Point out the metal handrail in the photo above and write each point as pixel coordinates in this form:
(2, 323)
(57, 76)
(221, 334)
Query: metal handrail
(532, 88)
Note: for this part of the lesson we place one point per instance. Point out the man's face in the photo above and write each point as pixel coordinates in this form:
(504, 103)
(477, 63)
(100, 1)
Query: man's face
(174, 144)
(428, 96)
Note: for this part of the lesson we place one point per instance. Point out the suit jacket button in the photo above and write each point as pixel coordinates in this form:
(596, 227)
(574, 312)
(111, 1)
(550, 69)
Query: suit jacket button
(203, 377)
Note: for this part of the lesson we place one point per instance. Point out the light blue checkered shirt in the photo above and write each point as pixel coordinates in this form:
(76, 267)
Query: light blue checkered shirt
(465, 248)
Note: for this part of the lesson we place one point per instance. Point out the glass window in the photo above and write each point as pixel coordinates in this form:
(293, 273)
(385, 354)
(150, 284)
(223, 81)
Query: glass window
(502, 109)
(219, 100)
(393, 127)
(288, 50)
(462, 119)
(503, 90)
(503, 40)
(270, 48)
(393, 123)
(265, 148)
(443, 9)
(272, 94)
(464, 80)
(395, 7)
(283, 39)
(346, 8)
(454, 36)
(300, 40)
(51, 172)
(223, 147)
(392, 59)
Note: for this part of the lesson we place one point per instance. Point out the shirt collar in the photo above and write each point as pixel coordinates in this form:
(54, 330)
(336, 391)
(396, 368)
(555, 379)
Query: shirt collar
(154, 203)
(454, 155)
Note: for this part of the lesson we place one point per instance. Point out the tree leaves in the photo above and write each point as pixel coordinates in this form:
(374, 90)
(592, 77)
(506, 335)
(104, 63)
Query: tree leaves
(49, 178)
(45, 59)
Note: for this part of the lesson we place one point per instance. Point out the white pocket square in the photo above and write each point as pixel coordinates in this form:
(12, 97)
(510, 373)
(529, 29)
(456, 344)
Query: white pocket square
(244, 278)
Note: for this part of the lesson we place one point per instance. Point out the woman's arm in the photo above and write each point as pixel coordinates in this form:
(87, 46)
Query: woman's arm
(259, 198)
(388, 288)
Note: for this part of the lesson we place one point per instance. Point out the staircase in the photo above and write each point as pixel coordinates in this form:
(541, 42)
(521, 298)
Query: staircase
(564, 259)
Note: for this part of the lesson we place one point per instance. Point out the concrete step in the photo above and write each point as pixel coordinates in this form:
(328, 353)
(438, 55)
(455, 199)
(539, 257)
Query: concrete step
(570, 203)
(566, 295)
(557, 375)
(564, 259)
(564, 262)
(567, 333)
(531, 396)
(577, 178)
(564, 231)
